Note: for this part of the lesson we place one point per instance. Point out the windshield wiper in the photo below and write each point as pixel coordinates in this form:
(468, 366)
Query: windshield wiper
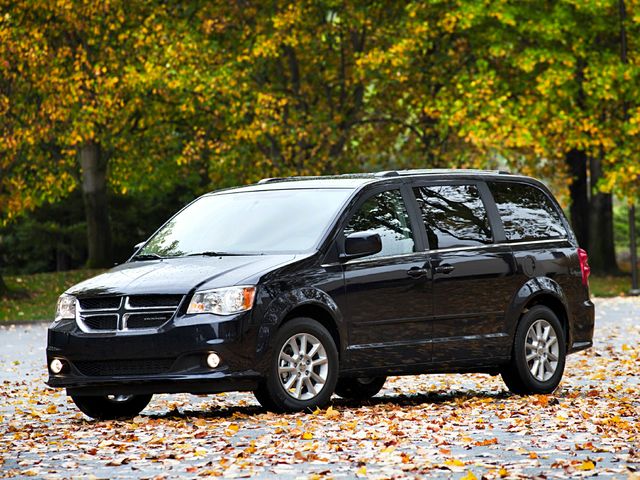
(217, 254)
(147, 256)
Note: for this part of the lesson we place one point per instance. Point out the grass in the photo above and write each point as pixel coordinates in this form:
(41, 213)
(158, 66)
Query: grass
(610, 285)
(44, 290)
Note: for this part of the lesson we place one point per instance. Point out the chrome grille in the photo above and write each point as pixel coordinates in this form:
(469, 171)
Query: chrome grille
(154, 301)
(102, 322)
(100, 303)
(126, 313)
(145, 320)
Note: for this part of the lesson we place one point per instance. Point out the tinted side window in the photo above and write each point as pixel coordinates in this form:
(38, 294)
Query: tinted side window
(527, 213)
(386, 215)
(454, 216)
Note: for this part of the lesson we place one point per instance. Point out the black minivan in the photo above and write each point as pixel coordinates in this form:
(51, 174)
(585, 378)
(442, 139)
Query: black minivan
(300, 287)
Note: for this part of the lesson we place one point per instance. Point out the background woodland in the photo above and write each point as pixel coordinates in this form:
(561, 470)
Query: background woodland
(114, 114)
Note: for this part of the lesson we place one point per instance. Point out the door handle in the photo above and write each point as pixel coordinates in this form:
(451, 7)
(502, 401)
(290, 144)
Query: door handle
(417, 272)
(446, 269)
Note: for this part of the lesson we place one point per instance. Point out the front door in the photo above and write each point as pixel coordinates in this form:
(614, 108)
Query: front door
(388, 295)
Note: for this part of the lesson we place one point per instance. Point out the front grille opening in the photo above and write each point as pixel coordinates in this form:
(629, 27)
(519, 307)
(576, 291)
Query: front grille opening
(153, 366)
(98, 303)
(154, 301)
(136, 312)
(142, 320)
(102, 322)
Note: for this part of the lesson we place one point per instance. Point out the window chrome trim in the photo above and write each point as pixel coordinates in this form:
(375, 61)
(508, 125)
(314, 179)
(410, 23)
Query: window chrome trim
(464, 249)
(534, 242)
(369, 259)
(446, 250)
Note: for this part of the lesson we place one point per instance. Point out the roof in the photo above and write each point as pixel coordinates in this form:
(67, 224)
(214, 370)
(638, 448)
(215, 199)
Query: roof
(359, 177)
(355, 180)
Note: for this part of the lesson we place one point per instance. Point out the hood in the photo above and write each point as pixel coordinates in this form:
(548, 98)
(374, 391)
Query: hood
(179, 275)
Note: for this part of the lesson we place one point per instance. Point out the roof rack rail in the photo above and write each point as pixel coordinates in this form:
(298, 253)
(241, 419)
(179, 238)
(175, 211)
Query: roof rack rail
(388, 173)
(439, 171)
(269, 180)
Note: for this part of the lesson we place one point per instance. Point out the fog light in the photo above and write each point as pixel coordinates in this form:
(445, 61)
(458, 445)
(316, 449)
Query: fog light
(56, 365)
(213, 360)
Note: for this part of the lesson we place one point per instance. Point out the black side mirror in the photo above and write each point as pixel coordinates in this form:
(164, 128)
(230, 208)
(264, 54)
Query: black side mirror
(361, 244)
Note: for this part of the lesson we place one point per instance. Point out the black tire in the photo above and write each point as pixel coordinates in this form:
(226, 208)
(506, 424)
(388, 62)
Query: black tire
(110, 407)
(538, 355)
(297, 381)
(353, 388)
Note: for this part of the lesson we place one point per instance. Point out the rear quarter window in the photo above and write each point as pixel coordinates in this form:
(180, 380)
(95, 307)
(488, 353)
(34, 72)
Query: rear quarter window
(527, 212)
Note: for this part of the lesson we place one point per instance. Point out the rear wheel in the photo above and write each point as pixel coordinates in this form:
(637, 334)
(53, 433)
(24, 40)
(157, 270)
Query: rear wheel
(303, 368)
(359, 388)
(110, 407)
(539, 353)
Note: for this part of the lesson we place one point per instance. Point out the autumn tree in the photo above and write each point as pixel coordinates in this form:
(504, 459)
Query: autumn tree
(331, 86)
(566, 55)
(540, 86)
(143, 95)
(291, 88)
(91, 93)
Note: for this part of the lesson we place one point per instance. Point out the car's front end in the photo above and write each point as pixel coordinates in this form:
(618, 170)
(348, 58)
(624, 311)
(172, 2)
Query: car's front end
(159, 334)
(187, 312)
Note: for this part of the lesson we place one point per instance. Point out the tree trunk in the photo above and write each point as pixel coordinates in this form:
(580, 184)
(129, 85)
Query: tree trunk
(602, 254)
(94, 192)
(61, 260)
(579, 210)
(4, 290)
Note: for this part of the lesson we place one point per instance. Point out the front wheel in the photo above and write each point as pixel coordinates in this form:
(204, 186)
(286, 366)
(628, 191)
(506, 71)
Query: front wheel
(359, 388)
(110, 407)
(303, 369)
(539, 353)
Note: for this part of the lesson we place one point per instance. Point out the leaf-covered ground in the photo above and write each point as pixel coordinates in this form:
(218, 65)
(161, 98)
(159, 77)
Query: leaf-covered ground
(437, 426)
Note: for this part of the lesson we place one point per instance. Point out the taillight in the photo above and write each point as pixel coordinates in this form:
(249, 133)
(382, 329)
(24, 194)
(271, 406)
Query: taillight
(584, 266)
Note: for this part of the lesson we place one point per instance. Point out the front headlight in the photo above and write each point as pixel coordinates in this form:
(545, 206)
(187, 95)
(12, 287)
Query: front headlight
(66, 307)
(223, 301)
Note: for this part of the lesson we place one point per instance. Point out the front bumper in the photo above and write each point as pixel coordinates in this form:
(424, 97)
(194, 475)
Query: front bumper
(169, 360)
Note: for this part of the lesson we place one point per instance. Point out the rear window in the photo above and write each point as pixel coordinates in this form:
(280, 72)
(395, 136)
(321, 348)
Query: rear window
(527, 213)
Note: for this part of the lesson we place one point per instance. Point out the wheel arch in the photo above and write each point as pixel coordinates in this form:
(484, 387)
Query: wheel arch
(540, 291)
(320, 315)
(556, 306)
(305, 302)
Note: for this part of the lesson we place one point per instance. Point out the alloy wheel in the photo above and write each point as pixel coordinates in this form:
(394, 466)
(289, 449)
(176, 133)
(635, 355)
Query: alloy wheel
(542, 350)
(303, 367)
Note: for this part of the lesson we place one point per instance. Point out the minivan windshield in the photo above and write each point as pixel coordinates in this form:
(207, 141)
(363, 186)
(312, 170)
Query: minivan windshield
(256, 222)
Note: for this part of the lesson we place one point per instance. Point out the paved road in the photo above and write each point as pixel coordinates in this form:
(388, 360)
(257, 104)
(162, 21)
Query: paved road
(444, 426)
